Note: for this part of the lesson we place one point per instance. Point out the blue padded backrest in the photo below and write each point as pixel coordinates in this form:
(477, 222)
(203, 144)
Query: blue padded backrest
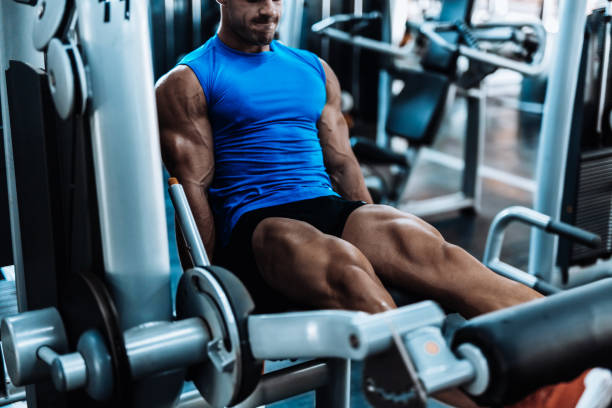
(416, 113)
(453, 10)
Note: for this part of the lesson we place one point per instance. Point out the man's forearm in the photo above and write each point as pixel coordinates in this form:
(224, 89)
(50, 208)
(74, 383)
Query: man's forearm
(202, 213)
(349, 183)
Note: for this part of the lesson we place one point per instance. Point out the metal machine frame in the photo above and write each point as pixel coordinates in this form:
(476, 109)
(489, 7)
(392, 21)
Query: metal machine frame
(555, 132)
(139, 353)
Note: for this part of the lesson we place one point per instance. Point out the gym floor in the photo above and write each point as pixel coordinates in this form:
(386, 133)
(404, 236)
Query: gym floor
(507, 179)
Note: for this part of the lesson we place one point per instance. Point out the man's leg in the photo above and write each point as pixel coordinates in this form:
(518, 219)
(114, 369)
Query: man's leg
(408, 253)
(316, 269)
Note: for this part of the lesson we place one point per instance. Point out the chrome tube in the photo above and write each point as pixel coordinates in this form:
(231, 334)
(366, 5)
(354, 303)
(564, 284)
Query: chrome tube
(189, 228)
(157, 347)
(127, 159)
(555, 133)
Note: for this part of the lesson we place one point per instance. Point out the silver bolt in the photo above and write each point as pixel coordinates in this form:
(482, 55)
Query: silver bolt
(41, 10)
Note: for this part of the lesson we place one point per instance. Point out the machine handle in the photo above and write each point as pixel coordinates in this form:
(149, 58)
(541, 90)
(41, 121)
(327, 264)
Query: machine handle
(531, 217)
(545, 288)
(343, 18)
(577, 234)
(430, 30)
(187, 223)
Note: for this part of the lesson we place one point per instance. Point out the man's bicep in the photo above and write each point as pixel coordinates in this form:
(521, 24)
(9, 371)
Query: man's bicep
(185, 131)
(189, 159)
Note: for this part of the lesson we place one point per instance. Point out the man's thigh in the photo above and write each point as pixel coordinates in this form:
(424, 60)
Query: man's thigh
(306, 264)
(390, 238)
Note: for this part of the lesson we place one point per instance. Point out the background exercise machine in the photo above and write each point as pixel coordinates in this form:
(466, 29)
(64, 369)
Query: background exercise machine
(586, 194)
(416, 112)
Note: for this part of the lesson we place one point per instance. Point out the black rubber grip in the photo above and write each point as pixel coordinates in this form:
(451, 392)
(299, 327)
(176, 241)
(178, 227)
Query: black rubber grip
(574, 233)
(542, 342)
(546, 288)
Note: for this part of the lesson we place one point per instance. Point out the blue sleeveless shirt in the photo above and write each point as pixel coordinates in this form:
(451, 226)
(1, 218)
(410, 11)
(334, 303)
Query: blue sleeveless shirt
(263, 109)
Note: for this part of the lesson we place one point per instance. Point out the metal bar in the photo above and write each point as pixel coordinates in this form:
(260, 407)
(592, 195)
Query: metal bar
(12, 398)
(328, 21)
(384, 83)
(324, 27)
(196, 20)
(429, 30)
(163, 346)
(605, 65)
(384, 91)
(335, 334)
(188, 225)
(291, 25)
(364, 42)
(543, 52)
(169, 30)
(288, 382)
(358, 7)
(499, 224)
(325, 13)
(473, 147)
(555, 133)
(512, 272)
(337, 392)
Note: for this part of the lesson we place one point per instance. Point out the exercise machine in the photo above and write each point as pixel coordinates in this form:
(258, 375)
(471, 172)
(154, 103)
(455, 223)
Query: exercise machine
(586, 192)
(572, 175)
(96, 326)
(216, 335)
(416, 112)
(527, 216)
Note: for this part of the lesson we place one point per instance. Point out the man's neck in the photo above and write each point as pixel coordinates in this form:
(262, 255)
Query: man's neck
(235, 42)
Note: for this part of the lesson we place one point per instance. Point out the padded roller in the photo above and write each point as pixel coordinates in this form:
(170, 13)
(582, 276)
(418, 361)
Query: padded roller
(543, 342)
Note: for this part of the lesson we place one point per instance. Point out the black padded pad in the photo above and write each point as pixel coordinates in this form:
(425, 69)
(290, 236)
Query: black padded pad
(416, 113)
(439, 59)
(543, 342)
(367, 151)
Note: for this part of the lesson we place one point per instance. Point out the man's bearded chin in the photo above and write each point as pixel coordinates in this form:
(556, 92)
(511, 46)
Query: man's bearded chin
(263, 39)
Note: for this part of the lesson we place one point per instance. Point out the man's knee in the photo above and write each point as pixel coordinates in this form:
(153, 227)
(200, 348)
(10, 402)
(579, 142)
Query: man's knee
(345, 263)
(419, 241)
(352, 282)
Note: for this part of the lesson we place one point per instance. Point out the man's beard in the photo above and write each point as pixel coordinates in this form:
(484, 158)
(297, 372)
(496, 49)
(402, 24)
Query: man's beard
(255, 37)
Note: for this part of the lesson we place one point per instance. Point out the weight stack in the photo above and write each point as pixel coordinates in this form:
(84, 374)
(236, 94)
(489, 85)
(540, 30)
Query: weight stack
(587, 196)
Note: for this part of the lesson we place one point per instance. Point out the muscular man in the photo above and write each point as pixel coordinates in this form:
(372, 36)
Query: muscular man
(254, 132)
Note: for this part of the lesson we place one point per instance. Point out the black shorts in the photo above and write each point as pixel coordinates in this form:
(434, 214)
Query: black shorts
(328, 214)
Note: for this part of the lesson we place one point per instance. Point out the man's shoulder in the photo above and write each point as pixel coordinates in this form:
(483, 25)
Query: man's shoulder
(179, 77)
(201, 52)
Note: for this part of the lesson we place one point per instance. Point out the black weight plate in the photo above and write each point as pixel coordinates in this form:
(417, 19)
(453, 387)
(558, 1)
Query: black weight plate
(86, 304)
(242, 305)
